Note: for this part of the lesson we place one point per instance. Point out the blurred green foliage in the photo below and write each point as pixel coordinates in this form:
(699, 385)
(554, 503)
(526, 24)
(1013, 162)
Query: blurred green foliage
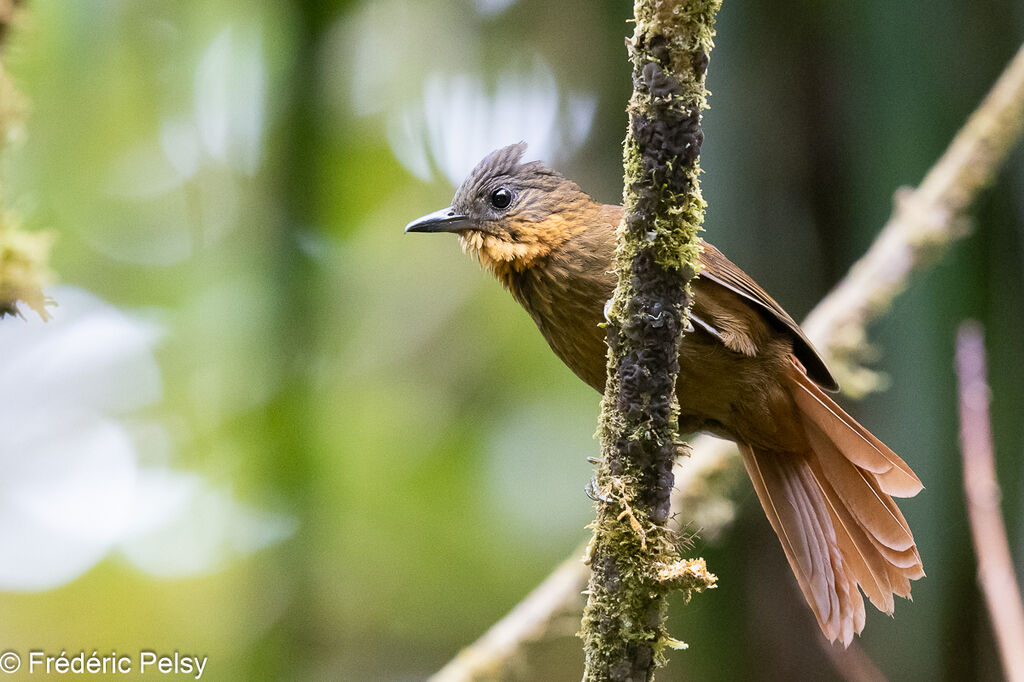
(383, 391)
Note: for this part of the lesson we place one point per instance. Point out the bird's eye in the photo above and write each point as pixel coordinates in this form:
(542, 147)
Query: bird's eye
(501, 198)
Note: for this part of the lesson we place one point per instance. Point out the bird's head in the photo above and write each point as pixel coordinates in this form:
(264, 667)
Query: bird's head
(509, 213)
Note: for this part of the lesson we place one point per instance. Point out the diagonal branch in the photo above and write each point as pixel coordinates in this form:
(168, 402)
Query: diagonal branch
(924, 223)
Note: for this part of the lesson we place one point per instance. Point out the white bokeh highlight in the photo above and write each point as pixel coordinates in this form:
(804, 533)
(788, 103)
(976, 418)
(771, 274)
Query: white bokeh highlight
(440, 107)
(180, 186)
(492, 8)
(230, 95)
(74, 485)
(459, 120)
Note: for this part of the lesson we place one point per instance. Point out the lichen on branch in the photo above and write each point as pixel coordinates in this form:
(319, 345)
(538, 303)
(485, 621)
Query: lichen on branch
(657, 256)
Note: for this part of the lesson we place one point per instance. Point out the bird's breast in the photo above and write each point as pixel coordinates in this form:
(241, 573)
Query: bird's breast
(567, 307)
(722, 390)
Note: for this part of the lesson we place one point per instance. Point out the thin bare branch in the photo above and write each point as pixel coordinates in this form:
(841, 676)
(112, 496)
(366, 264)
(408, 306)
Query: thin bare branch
(995, 565)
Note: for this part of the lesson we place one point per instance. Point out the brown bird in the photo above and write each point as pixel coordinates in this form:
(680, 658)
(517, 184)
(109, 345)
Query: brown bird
(825, 482)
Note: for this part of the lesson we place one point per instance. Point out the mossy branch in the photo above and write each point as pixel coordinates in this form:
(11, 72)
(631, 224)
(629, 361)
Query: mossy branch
(7, 11)
(634, 557)
(837, 325)
(23, 255)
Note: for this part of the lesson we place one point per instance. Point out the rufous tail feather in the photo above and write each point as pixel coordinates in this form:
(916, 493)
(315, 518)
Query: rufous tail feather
(833, 511)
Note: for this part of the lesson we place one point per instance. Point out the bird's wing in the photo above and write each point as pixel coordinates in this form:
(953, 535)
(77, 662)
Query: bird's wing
(722, 271)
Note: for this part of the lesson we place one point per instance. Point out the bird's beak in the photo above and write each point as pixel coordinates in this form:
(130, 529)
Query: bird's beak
(445, 220)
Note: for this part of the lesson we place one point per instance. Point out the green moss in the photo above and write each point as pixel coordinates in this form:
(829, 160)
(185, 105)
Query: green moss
(23, 268)
(23, 255)
(636, 562)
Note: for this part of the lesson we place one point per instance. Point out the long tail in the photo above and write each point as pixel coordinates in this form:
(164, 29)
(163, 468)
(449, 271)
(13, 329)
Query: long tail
(833, 511)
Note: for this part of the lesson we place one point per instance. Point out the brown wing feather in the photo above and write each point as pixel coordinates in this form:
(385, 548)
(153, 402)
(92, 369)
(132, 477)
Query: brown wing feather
(722, 271)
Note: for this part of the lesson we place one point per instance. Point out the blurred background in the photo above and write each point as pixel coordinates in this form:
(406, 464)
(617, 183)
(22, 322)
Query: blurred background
(268, 427)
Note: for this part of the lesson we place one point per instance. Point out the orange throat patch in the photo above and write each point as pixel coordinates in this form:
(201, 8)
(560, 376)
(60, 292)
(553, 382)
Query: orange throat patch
(503, 255)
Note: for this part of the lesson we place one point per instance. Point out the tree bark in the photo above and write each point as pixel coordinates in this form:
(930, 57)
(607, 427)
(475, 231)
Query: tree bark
(634, 557)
